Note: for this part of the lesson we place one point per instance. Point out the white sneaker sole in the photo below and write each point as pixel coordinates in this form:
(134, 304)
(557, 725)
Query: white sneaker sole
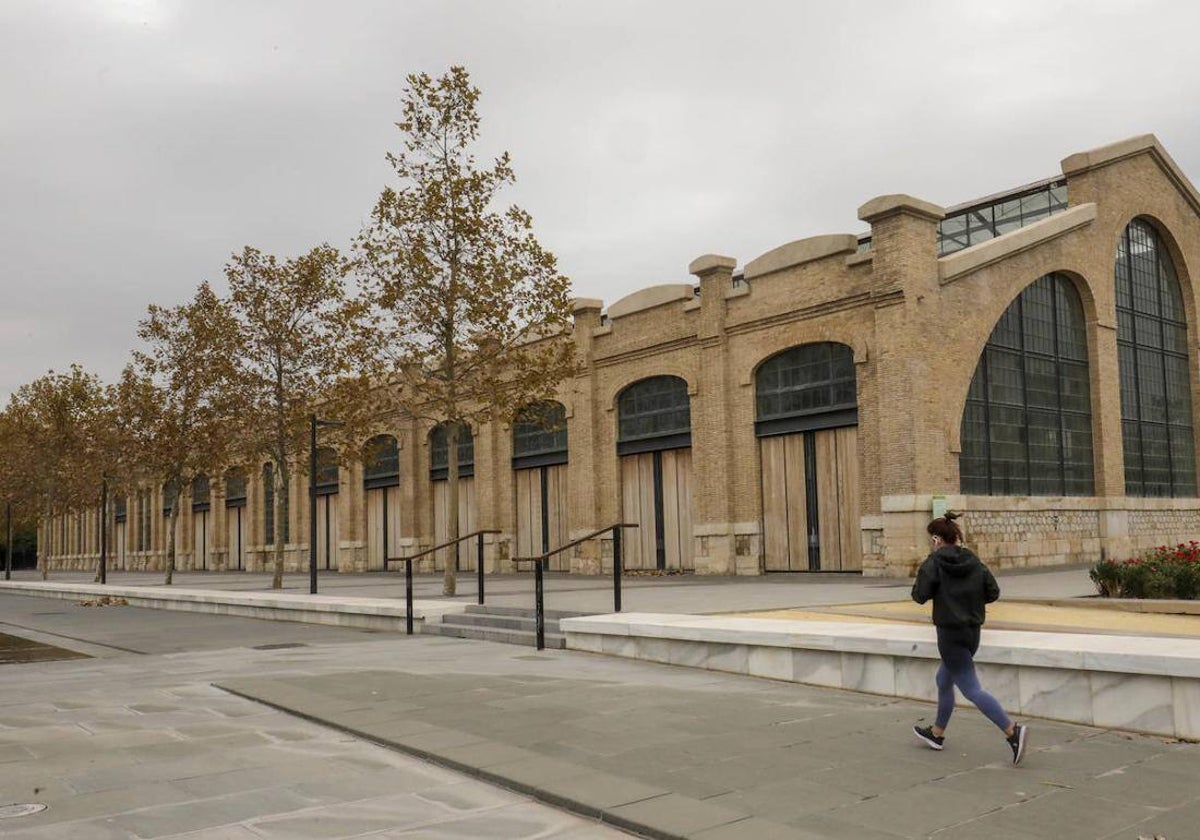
(1021, 745)
(931, 744)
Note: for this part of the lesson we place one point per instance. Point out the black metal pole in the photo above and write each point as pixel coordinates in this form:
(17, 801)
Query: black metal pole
(104, 531)
(539, 606)
(8, 541)
(479, 568)
(617, 569)
(312, 505)
(408, 617)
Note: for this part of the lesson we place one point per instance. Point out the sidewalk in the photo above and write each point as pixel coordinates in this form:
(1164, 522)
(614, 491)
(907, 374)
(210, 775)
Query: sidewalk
(674, 752)
(686, 594)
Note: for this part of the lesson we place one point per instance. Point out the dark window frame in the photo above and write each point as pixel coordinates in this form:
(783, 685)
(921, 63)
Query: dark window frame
(780, 390)
(1033, 369)
(439, 452)
(381, 462)
(539, 436)
(268, 480)
(328, 480)
(201, 494)
(236, 488)
(654, 414)
(1151, 345)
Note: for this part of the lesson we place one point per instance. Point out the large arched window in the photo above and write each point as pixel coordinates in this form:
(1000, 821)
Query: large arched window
(381, 463)
(807, 387)
(1156, 402)
(201, 494)
(439, 451)
(540, 436)
(327, 481)
(654, 414)
(1027, 424)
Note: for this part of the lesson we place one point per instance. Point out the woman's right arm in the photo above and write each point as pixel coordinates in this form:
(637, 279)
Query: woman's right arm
(925, 586)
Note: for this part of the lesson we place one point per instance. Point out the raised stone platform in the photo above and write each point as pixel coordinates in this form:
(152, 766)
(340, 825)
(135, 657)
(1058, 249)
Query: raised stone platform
(1136, 683)
(367, 613)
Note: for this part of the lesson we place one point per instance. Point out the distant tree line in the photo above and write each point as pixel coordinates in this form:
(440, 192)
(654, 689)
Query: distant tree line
(445, 308)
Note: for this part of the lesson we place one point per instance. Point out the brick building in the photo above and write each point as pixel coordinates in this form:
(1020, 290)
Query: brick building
(1024, 358)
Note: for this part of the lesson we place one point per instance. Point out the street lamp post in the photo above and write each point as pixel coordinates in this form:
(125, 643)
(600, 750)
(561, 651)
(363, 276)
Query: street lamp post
(104, 530)
(314, 422)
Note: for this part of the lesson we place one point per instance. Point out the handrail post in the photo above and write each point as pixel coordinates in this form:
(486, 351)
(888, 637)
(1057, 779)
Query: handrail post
(408, 608)
(479, 568)
(617, 569)
(539, 607)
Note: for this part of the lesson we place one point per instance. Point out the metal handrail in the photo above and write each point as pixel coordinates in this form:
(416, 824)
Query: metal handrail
(538, 561)
(429, 551)
(547, 555)
(408, 561)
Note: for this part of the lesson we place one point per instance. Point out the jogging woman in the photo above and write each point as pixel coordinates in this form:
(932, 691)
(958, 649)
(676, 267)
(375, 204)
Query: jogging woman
(961, 586)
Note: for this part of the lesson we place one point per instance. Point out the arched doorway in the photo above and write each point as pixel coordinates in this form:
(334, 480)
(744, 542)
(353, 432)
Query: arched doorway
(235, 518)
(201, 511)
(327, 485)
(381, 485)
(806, 410)
(654, 440)
(438, 473)
(540, 474)
(120, 531)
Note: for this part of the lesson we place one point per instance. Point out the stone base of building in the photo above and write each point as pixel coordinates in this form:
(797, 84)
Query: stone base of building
(1016, 532)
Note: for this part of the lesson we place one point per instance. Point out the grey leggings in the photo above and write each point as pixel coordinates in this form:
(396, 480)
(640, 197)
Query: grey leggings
(957, 646)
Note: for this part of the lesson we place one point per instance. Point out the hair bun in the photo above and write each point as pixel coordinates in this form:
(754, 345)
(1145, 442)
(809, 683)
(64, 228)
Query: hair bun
(950, 515)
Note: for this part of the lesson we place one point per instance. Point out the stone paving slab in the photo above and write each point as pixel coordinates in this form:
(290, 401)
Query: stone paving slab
(667, 754)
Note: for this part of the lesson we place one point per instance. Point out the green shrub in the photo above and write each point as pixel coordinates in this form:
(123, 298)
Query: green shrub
(1162, 572)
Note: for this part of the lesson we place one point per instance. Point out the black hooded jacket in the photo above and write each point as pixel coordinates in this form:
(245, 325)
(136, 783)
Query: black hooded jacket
(960, 585)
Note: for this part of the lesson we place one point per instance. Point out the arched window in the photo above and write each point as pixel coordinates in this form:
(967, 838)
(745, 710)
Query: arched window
(235, 488)
(328, 481)
(201, 494)
(540, 436)
(439, 461)
(1156, 401)
(807, 387)
(381, 463)
(268, 480)
(654, 414)
(1027, 424)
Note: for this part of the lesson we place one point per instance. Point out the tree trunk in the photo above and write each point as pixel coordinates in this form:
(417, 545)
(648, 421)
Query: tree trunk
(449, 579)
(174, 518)
(284, 479)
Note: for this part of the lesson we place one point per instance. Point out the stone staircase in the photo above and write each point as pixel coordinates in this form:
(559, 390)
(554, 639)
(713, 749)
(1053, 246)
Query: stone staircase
(511, 625)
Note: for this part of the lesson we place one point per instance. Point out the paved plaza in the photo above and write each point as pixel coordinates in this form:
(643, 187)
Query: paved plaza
(140, 741)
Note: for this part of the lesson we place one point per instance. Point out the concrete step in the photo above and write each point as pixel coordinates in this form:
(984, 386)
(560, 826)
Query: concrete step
(487, 609)
(526, 638)
(500, 622)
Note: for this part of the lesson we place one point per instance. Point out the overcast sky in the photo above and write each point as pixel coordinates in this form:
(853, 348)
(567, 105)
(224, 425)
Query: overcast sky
(142, 142)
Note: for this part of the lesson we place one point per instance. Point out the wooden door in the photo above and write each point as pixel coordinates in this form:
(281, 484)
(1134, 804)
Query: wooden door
(656, 495)
(383, 525)
(119, 547)
(810, 501)
(200, 544)
(542, 513)
(466, 523)
(236, 535)
(327, 533)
